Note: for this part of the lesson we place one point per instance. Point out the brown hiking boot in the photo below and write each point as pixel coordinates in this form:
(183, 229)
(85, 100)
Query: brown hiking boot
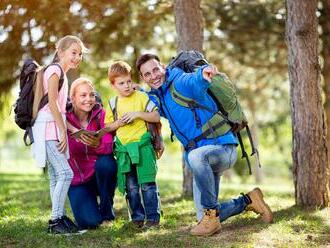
(209, 224)
(259, 206)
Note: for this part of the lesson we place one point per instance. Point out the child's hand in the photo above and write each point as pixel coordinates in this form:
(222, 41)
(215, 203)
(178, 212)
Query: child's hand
(130, 116)
(119, 123)
(63, 143)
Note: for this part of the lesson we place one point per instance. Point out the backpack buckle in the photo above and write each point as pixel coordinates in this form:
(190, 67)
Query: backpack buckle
(191, 145)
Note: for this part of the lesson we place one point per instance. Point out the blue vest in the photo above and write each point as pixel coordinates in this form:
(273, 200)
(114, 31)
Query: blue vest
(185, 123)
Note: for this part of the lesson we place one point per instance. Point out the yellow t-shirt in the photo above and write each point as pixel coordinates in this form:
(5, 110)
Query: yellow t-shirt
(138, 101)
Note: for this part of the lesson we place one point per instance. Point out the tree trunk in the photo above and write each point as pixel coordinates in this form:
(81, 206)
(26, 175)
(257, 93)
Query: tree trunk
(309, 154)
(189, 28)
(189, 24)
(325, 23)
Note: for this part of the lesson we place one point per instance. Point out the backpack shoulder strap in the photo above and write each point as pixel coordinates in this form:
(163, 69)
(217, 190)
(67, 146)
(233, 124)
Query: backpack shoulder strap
(186, 101)
(180, 99)
(113, 106)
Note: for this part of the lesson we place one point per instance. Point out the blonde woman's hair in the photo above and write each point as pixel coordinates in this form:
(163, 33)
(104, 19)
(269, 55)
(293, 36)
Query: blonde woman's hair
(77, 82)
(65, 42)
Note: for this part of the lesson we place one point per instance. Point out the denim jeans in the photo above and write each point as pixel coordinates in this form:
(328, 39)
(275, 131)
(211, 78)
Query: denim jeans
(149, 207)
(60, 176)
(87, 212)
(207, 164)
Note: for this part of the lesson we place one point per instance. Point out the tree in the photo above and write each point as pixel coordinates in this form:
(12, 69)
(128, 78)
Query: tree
(311, 170)
(245, 40)
(189, 28)
(325, 37)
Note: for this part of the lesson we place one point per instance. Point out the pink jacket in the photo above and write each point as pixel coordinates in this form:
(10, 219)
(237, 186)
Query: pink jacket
(82, 157)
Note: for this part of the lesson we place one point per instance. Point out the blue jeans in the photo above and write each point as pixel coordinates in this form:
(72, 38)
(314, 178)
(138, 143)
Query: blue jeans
(87, 212)
(148, 208)
(60, 176)
(207, 164)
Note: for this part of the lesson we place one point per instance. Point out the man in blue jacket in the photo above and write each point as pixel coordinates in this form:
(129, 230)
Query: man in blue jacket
(207, 158)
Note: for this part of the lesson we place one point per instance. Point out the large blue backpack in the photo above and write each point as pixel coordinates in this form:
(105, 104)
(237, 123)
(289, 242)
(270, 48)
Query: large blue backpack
(230, 115)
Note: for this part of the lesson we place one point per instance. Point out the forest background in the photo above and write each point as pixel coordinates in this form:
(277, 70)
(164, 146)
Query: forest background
(245, 39)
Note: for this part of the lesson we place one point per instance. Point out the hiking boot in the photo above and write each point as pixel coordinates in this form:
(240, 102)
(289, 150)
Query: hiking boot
(70, 224)
(151, 224)
(209, 224)
(259, 206)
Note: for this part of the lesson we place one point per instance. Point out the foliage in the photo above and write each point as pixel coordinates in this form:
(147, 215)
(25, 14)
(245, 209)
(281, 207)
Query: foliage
(109, 29)
(254, 58)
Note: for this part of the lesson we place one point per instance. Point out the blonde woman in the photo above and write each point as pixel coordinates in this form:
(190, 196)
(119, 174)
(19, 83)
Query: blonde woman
(91, 159)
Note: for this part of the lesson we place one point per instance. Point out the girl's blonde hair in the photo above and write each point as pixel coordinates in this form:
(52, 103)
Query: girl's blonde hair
(65, 42)
(77, 82)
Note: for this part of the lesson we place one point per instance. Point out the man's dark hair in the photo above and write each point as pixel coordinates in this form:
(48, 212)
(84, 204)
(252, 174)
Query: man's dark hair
(144, 58)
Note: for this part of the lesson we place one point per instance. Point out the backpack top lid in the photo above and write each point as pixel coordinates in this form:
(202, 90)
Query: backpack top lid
(29, 69)
(188, 61)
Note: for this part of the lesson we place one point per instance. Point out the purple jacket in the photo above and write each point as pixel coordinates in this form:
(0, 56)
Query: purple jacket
(82, 157)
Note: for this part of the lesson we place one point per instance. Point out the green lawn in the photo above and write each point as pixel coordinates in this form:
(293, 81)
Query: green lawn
(25, 209)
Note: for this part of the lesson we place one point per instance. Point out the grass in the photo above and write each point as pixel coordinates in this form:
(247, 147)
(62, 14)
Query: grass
(25, 209)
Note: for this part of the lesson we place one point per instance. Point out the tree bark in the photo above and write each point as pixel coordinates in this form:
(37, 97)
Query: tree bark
(189, 28)
(309, 154)
(325, 37)
(189, 24)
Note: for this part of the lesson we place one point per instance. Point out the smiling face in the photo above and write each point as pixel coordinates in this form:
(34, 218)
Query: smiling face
(153, 73)
(71, 57)
(123, 85)
(83, 98)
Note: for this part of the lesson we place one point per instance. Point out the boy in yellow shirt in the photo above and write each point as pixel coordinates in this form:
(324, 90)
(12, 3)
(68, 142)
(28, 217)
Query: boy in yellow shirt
(129, 113)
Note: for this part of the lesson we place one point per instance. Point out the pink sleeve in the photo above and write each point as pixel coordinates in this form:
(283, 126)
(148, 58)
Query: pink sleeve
(53, 69)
